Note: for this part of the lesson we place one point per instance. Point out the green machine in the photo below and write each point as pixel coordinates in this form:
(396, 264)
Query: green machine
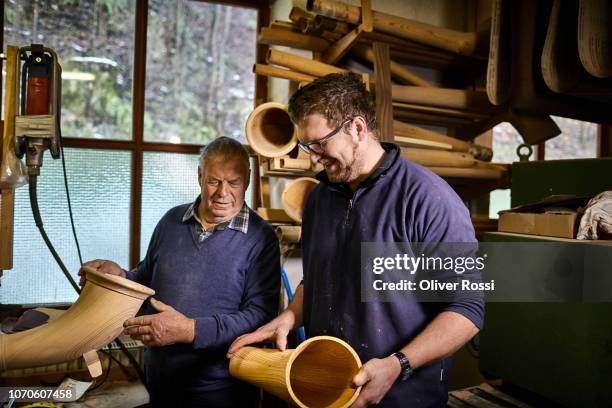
(561, 351)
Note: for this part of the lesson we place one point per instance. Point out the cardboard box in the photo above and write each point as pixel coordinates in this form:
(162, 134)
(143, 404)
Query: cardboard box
(561, 225)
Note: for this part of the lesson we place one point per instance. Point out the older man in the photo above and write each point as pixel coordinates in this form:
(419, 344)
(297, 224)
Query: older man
(214, 265)
(369, 193)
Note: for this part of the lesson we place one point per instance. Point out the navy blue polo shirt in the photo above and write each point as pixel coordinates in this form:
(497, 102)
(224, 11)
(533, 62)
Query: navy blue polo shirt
(400, 202)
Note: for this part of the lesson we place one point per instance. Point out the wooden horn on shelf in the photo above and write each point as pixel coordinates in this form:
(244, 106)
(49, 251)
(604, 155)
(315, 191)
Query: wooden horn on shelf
(595, 37)
(288, 233)
(317, 374)
(93, 321)
(295, 194)
(561, 69)
(498, 66)
(269, 130)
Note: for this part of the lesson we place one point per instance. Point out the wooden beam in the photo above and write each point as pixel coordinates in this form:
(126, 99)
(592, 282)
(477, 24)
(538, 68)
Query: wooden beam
(339, 49)
(7, 200)
(289, 38)
(431, 119)
(397, 70)
(7, 206)
(456, 41)
(441, 111)
(301, 64)
(444, 98)
(272, 71)
(367, 19)
(384, 106)
(439, 158)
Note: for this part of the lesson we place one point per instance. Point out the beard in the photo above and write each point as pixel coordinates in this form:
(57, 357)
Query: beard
(343, 173)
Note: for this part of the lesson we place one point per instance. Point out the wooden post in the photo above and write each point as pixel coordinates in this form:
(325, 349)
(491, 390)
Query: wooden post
(7, 205)
(384, 105)
(7, 202)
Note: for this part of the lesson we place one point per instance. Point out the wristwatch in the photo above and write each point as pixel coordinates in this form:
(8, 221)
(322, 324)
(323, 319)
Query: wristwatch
(405, 365)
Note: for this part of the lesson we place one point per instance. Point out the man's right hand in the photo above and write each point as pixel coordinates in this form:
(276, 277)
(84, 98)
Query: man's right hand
(103, 266)
(277, 331)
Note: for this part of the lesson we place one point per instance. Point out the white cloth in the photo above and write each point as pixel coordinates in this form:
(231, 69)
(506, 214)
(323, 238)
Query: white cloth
(597, 216)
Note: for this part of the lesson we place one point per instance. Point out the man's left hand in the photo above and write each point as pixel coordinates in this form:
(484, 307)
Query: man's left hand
(376, 376)
(162, 329)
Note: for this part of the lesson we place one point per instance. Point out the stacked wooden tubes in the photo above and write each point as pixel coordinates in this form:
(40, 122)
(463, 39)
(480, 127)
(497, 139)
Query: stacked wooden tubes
(415, 99)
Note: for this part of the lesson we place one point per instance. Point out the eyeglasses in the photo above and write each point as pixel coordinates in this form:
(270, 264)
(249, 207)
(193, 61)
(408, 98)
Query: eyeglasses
(318, 147)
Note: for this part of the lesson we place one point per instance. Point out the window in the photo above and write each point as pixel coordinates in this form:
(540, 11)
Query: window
(94, 42)
(577, 140)
(199, 82)
(144, 85)
(505, 142)
(100, 195)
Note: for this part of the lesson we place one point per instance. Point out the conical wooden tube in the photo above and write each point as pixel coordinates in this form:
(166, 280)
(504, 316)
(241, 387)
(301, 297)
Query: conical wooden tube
(288, 234)
(295, 194)
(318, 373)
(93, 321)
(301, 64)
(269, 130)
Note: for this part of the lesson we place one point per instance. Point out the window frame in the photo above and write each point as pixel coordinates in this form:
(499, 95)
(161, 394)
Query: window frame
(138, 146)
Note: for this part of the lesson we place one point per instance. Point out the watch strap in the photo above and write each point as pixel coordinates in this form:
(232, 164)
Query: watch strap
(404, 364)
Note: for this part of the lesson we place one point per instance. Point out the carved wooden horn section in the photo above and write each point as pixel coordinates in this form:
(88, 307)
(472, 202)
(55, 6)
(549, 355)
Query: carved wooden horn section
(93, 321)
(295, 194)
(318, 373)
(269, 130)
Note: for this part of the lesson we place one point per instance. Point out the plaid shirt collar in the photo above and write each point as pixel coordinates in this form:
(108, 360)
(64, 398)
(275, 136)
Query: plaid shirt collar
(240, 222)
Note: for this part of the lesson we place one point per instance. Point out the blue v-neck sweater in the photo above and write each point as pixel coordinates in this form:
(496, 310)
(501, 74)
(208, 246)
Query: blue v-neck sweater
(229, 283)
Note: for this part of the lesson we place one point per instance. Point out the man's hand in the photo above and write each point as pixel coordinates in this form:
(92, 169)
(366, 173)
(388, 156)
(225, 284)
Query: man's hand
(277, 331)
(162, 329)
(376, 376)
(103, 266)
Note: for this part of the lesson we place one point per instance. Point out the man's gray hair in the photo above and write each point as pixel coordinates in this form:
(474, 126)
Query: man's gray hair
(225, 148)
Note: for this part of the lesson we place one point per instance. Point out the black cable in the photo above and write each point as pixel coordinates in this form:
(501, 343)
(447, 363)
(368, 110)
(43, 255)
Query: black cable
(130, 376)
(74, 234)
(39, 224)
(108, 370)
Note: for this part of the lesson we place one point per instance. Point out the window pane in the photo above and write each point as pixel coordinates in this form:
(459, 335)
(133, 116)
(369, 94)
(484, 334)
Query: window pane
(99, 183)
(505, 142)
(163, 189)
(94, 43)
(199, 81)
(578, 140)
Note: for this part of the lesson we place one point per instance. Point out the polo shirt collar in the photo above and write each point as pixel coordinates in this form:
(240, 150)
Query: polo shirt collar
(392, 154)
(240, 222)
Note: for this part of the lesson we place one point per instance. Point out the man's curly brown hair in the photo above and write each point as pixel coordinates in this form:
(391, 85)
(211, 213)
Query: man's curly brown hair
(336, 97)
